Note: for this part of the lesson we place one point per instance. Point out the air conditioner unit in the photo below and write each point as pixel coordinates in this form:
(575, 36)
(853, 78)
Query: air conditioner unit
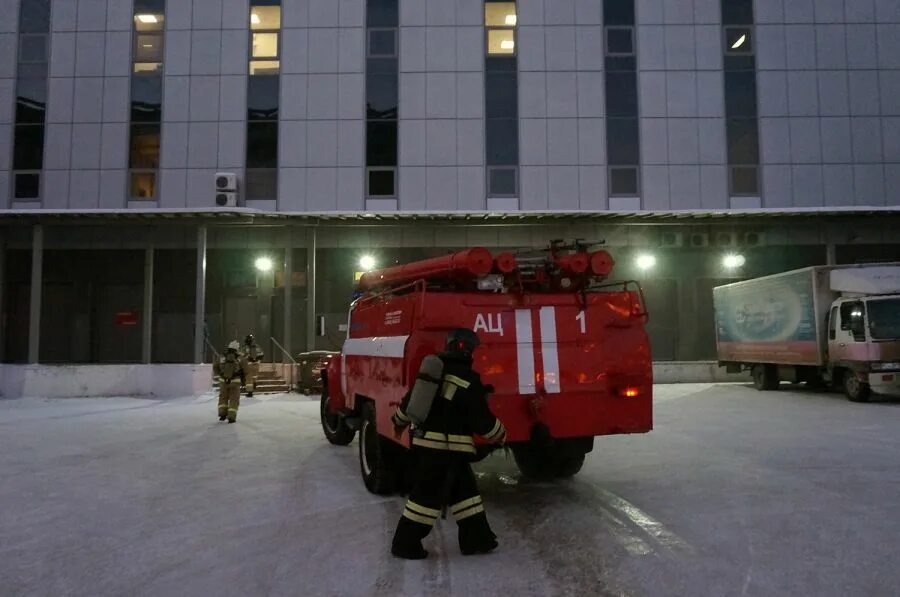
(669, 240)
(754, 239)
(699, 239)
(726, 239)
(226, 189)
(226, 199)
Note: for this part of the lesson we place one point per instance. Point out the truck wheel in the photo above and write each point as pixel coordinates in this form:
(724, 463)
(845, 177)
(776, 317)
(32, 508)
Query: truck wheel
(335, 427)
(856, 390)
(765, 377)
(377, 474)
(544, 462)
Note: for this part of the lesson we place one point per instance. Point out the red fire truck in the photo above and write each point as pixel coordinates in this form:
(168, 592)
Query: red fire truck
(565, 350)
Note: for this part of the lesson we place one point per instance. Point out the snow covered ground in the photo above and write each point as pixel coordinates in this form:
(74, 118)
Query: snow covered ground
(735, 493)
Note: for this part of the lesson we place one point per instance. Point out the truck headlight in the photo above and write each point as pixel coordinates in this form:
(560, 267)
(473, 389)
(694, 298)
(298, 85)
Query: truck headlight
(885, 366)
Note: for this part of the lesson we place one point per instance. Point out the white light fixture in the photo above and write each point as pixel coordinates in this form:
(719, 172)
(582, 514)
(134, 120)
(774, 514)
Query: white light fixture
(733, 261)
(507, 44)
(263, 264)
(740, 41)
(511, 19)
(645, 262)
(147, 18)
(254, 18)
(367, 263)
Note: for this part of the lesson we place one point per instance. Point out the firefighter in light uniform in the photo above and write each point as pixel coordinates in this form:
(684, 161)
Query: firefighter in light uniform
(253, 355)
(443, 447)
(229, 370)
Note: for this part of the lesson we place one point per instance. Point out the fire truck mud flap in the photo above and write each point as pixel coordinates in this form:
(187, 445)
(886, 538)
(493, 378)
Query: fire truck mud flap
(544, 457)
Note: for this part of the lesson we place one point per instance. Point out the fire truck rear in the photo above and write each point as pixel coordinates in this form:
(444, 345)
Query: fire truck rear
(566, 352)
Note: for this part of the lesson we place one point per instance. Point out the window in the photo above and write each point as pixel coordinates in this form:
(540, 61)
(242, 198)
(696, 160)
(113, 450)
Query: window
(27, 185)
(621, 94)
(618, 12)
(623, 181)
(265, 45)
(853, 320)
(622, 137)
(146, 98)
(380, 182)
(144, 152)
(263, 97)
(739, 40)
(143, 185)
(620, 41)
(745, 180)
(382, 43)
(500, 19)
(263, 101)
(743, 141)
(265, 23)
(33, 48)
(28, 153)
(31, 98)
(265, 18)
(502, 182)
(381, 143)
(261, 183)
(148, 47)
(501, 94)
(262, 144)
(740, 94)
(382, 89)
(502, 141)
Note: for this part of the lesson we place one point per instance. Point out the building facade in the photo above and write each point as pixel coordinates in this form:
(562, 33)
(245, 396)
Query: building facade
(152, 150)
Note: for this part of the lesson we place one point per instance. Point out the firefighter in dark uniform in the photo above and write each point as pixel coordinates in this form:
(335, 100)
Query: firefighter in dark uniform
(229, 369)
(446, 406)
(253, 355)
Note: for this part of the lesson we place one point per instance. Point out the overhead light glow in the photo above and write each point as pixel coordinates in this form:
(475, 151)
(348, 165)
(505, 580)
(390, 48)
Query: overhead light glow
(740, 41)
(645, 262)
(263, 264)
(733, 261)
(511, 19)
(507, 44)
(254, 18)
(367, 263)
(147, 18)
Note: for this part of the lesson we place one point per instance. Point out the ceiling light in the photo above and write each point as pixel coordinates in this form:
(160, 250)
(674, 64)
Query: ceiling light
(511, 19)
(254, 18)
(733, 261)
(263, 264)
(507, 44)
(645, 262)
(740, 41)
(367, 263)
(147, 18)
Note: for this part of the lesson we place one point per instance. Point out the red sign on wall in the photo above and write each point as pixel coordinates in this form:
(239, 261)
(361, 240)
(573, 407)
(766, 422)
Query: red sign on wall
(126, 318)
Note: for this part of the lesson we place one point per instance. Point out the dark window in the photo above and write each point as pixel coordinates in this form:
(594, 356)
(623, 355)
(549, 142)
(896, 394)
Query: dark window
(620, 40)
(262, 97)
(383, 42)
(623, 181)
(743, 141)
(740, 94)
(738, 40)
(381, 183)
(143, 185)
(32, 70)
(261, 183)
(622, 141)
(382, 13)
(27, 185)
(144, 151)
(152, 6)
(502, 182)
(146, 98)
(33, 48)
(501, 94)
(28, 153)
(381, 143)
(621, 94)
(31, 100)
(737, 12)
(262, 145)
(34, 16)
(502, 142)
(618, 12)
(500, 63)
(381, 95)
(744, 180)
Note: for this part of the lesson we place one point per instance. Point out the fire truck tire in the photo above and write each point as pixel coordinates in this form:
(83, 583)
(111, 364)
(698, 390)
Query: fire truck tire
(335, 427)
(765, 377)
(856, 390)
(374, 455)
(541, 463)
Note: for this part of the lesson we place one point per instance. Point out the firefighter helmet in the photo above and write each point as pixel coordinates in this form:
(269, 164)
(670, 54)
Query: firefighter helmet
(234, 345)
(249, 339)
(462, 341)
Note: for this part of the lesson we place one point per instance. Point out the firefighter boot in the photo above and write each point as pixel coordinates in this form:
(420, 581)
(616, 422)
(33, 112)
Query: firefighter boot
(407, 543)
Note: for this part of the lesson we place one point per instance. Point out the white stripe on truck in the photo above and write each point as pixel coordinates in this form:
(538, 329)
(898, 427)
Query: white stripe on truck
(525, 351)
(389, 347)
(550, 350)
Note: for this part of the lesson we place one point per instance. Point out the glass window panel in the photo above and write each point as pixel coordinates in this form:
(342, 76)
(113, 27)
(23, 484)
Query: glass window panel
(500, 64)
(261, 183)
(622, 141)
(381, 183)
(149, 6)
(28, 150)
(501, 94)
(35, 70)
(502, 181)
(737, 12)
(620, 40)
(738, 40)
(148, 47)
(143, 185)
(383, 42)
(34, 16)
(745, 180)
(31, 100)
(502, 142)
(262, 98)
(500, 14)
(33, 48)
(382, 13)
(264, 67)
(621, 94)
(381, 96)
(623, 181)
(27, 185)
(262, 144)
(501, 41)
(144, 147)
(620, 63)
(146, 98)
(381, 143)
(265, 17)
(740, 94)
(150, 20)
(743, 141)
(265, 45)
(618, 12)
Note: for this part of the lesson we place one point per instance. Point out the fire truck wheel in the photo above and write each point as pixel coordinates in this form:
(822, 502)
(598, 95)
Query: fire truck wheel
(765, 377)
(541, 463)
(856, 390)
(373, 455)
(336, 430)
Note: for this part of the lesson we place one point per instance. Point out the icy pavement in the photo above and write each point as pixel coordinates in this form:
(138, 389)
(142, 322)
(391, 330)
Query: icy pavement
(735, 493)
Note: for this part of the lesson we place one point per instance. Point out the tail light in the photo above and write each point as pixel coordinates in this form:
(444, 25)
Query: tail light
(629, 392)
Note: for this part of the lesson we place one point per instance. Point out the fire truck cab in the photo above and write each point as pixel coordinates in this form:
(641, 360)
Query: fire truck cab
(566, 354)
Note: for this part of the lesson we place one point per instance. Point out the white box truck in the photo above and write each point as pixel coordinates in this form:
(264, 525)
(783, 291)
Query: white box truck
(828, 324)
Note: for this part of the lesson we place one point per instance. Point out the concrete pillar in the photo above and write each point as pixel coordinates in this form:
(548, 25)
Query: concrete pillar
(311, 325)
(37, 284)
(830, 254)
(147, 334)
(288, 289)
(200, 297)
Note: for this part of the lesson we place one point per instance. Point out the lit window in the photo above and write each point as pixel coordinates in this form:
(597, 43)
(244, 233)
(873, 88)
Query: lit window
(738, 40)
(265, 45)
(148, 22)
(148, 47)
(143, 185)
(265, 17)
(500, 14)
(264, 67)
(501, 41)
(265, 21)
(500, 19)
(147, 67)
